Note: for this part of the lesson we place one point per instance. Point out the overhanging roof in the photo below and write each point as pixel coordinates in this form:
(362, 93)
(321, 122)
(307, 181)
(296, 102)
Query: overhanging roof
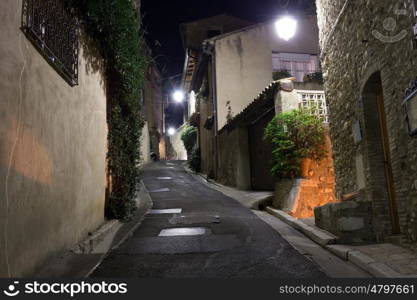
(257, 108)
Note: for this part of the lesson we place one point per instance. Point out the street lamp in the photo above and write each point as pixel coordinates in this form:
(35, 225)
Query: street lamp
(171, 131)
(286, 27)
(178, 96)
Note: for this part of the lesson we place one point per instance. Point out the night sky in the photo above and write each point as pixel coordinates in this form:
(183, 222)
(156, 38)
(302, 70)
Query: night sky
(162, 18)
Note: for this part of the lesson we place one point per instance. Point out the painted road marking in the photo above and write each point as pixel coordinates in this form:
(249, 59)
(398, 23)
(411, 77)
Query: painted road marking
(184, 231)
(160, 190)
(165, 211)
(164, 178)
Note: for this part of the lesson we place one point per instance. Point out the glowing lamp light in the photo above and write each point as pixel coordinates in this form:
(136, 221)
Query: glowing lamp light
(178, 96)
(171, 131)
(286, 27)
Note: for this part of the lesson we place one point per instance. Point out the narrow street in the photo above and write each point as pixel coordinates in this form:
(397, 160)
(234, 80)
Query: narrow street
(228, 241)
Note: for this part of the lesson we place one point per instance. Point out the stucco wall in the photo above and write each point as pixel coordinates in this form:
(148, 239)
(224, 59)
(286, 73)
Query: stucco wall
(52, 152)
(244, 61)
(351, 54)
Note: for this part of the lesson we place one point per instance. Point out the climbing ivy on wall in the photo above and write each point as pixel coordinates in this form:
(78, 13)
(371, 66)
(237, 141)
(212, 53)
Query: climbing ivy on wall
(115, 27)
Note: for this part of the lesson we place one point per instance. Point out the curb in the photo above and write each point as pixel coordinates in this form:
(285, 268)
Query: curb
(365, 262)
(82, 260)
(89, 245)
(328, 241)
(258, 204)
(127, 229)
(319, 236)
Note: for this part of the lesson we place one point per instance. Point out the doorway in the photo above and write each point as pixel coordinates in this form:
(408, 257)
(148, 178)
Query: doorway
(381, 180)
(261, 155)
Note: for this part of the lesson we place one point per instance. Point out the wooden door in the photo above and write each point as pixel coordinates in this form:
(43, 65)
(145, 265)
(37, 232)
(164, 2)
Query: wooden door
(261, 155)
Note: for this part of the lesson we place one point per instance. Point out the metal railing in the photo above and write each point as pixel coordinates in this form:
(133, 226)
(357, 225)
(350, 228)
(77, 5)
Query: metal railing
(54, 31)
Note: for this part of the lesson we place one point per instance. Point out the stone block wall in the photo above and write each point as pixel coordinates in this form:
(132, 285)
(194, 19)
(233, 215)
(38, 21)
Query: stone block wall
(353, 51)
(350, 221)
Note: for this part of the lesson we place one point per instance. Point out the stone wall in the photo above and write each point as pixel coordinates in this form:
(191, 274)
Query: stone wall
(353, 52)
(299, 197)
(350, 221)
(316, 188)
(52, 151)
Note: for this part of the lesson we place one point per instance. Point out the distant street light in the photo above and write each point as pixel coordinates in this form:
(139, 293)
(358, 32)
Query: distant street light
(178, 96)
(286, 27)
(171, 131)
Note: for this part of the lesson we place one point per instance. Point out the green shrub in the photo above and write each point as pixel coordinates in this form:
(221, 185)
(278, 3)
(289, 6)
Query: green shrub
(314, 77)
(189, 138)
(195, 160)
(294, 136)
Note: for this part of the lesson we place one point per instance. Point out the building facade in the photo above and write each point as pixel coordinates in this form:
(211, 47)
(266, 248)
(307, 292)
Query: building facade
(369, 58)
(153, 107)
(231, 70)
(53, 136)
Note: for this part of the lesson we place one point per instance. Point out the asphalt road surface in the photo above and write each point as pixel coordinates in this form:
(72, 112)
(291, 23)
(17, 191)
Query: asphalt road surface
(209, 235)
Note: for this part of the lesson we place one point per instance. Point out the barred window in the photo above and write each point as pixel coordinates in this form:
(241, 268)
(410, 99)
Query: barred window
(315, 100)
(53, 30)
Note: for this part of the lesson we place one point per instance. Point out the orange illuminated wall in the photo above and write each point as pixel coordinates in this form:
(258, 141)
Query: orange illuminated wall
(318, 186)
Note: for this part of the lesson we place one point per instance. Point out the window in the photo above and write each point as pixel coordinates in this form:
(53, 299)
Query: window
(298, 65)
(315, 100)
(53, 30)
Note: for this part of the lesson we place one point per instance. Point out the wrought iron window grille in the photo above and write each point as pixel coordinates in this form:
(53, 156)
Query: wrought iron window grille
(54, 31)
